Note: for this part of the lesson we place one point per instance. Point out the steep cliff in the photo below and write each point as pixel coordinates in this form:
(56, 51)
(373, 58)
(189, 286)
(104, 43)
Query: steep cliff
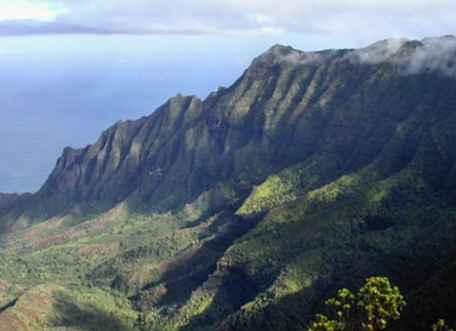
(245, 210)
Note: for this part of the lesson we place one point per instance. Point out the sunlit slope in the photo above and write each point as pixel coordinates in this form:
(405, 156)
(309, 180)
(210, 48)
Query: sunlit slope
(246, 210)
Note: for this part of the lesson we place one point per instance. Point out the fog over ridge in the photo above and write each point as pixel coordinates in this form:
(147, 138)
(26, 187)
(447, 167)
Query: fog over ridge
(436, 54)
(60, 91)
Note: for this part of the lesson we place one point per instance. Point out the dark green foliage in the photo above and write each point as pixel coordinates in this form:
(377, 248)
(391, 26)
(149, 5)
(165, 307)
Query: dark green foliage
(441, 325)
(370, 309)
(245, 210)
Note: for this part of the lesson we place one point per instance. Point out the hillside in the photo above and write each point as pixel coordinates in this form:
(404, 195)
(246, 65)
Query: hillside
(244, 211)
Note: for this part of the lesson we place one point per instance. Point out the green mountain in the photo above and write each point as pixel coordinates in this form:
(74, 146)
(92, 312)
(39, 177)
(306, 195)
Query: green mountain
(247, 210)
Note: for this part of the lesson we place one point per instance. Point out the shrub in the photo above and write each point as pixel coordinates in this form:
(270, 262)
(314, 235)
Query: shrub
(375, 304)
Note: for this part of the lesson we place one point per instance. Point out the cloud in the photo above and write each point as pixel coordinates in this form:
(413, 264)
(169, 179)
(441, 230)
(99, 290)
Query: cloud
(378, 52)
(279, 54)
(26, 9)
(435, 54)
(28, 27)
(367, 19)
(411, 57)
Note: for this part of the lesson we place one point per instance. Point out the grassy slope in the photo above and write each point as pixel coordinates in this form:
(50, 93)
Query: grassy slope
(53, 307)
(393, 217)
(184, 272)
(107, 265)
(370, 191)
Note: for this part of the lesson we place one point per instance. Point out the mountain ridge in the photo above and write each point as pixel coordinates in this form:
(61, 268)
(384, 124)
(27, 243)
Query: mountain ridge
(244, 211)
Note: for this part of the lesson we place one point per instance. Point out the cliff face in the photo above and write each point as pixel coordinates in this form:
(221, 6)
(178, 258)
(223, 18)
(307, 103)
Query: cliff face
(128, 157)
(311, 172)
(7, 201)
(286, 107)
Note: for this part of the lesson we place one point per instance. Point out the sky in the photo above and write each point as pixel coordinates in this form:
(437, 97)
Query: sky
(356, 19)
(71, 68)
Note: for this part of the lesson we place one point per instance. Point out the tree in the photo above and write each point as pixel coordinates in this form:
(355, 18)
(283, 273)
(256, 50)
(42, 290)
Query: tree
(375, 304)
(441, 325)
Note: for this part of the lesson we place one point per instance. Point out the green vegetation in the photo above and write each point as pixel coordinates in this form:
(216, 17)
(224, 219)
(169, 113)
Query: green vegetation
(245, 211)
(52, 307)
(370, 309)
(441, 325)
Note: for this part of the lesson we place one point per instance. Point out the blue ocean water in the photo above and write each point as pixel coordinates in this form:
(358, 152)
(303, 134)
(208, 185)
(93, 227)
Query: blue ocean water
(63, 91)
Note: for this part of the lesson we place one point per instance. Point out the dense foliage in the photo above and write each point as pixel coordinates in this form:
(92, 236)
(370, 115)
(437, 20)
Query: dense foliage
(370, 309)
(244, 211)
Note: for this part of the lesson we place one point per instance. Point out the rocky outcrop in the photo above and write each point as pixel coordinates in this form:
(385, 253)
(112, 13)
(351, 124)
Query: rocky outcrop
(340, 164)
(286, 107)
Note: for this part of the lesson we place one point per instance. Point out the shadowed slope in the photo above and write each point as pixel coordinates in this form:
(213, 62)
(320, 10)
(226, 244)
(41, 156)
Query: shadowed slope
(244, 211)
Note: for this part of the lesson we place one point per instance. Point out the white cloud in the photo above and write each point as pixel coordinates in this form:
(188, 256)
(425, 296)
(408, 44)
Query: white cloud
(411, 57)
(360, 19)
(379, 52)
(27, 10)
(436, 54)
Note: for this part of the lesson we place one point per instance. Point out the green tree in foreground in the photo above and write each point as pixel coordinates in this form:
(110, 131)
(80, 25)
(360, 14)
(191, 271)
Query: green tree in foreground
(441, 325)
(375, 304)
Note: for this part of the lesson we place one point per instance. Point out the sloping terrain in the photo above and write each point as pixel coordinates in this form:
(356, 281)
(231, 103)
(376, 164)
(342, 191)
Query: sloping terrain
(246, 210)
